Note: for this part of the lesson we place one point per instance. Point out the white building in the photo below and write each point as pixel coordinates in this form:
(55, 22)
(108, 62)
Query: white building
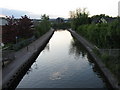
(3, 21)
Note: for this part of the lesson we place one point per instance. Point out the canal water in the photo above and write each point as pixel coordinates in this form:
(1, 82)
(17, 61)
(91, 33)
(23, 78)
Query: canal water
(63, 64)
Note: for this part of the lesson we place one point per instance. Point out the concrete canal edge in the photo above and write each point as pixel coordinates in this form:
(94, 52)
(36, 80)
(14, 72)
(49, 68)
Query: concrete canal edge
(89, 47)
(12, 81)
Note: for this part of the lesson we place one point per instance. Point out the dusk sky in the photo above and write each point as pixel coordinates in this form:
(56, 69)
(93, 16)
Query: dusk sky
(57, 8)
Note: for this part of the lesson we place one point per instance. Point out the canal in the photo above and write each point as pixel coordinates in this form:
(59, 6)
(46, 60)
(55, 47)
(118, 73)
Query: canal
(64, 63)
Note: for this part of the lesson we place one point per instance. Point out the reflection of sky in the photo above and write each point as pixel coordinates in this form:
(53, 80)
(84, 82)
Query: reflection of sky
(58, 68)
(60, 38)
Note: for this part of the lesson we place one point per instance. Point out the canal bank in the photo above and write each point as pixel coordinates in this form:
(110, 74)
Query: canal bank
(89, 47)
(63, 63)
(23, 60)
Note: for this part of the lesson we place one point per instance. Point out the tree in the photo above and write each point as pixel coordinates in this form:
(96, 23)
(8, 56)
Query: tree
(17, 28)
(79, 17)
(24, 27)
(43, 26)
(9, 31)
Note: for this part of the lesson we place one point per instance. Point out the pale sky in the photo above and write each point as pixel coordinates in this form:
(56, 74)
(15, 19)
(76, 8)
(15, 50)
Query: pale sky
(61, 8)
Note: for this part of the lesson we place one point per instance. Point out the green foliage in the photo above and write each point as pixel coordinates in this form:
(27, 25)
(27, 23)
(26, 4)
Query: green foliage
(61, 25)
(24, 27)
(78, 17)
(20, 28)
(43, 26)
(101, 33)
(105, 57)
(97, 52)
(104, 35)
(22, 43)
(113, 64)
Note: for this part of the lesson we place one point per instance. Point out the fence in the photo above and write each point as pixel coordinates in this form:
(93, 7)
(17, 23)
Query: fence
(23, 43)
(110, 52)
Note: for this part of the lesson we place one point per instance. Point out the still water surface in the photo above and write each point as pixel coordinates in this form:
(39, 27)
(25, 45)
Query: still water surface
(62, 64)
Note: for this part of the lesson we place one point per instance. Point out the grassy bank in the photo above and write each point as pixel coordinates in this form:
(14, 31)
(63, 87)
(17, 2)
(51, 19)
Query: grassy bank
(105, 35)
(103, 31)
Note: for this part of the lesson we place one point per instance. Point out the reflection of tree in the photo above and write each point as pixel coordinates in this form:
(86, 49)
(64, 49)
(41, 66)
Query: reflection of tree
(76, 48)
(30, 70)
(35, 66)
(47, 47)
(97, 71)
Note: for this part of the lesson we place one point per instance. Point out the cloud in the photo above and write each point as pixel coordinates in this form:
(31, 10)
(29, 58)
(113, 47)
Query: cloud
(18, 13)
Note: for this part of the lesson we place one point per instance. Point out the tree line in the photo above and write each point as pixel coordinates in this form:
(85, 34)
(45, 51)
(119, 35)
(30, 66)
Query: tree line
(16, 28)
(103, 31)
(23, 28)
(96, 28)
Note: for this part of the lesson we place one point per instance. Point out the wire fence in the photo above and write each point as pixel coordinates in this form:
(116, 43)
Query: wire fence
(110, 52)
(23, 43)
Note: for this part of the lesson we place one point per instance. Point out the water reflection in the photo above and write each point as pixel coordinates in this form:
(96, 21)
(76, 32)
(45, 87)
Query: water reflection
(47, 48)
(62, 64)
(35, 66)
(77, 49)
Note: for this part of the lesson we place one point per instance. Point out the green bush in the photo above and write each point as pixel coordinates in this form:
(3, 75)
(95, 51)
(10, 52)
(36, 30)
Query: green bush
(105, 57)
(43, 26)
(104, 35)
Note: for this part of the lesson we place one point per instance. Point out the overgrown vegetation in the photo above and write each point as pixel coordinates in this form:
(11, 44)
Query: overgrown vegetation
(103, 31)
(78, 18)
(113, 63)
(18, 33)
(61, 25)
(17, 29)
(104, 35)
(43, 26)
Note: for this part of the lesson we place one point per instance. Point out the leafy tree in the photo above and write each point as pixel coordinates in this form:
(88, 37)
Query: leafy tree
(78, 17)
(9, 31)
(104, 35)
(43, 26)
(63, 25)
(24, 27)
(17, 28)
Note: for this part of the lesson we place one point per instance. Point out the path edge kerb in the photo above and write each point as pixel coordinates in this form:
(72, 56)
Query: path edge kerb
(89, 47)
(27, 64)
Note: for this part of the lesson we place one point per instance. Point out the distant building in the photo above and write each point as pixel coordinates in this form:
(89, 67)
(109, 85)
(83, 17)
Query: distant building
(103, 20)
(66, 20)
(99, 20)
(60, 20)
(3, 21)
(36, 22)
(119, 8)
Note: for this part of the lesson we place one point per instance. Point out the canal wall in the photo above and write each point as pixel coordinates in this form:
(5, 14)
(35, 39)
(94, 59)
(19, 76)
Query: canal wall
(12, 73)
(89, 47)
